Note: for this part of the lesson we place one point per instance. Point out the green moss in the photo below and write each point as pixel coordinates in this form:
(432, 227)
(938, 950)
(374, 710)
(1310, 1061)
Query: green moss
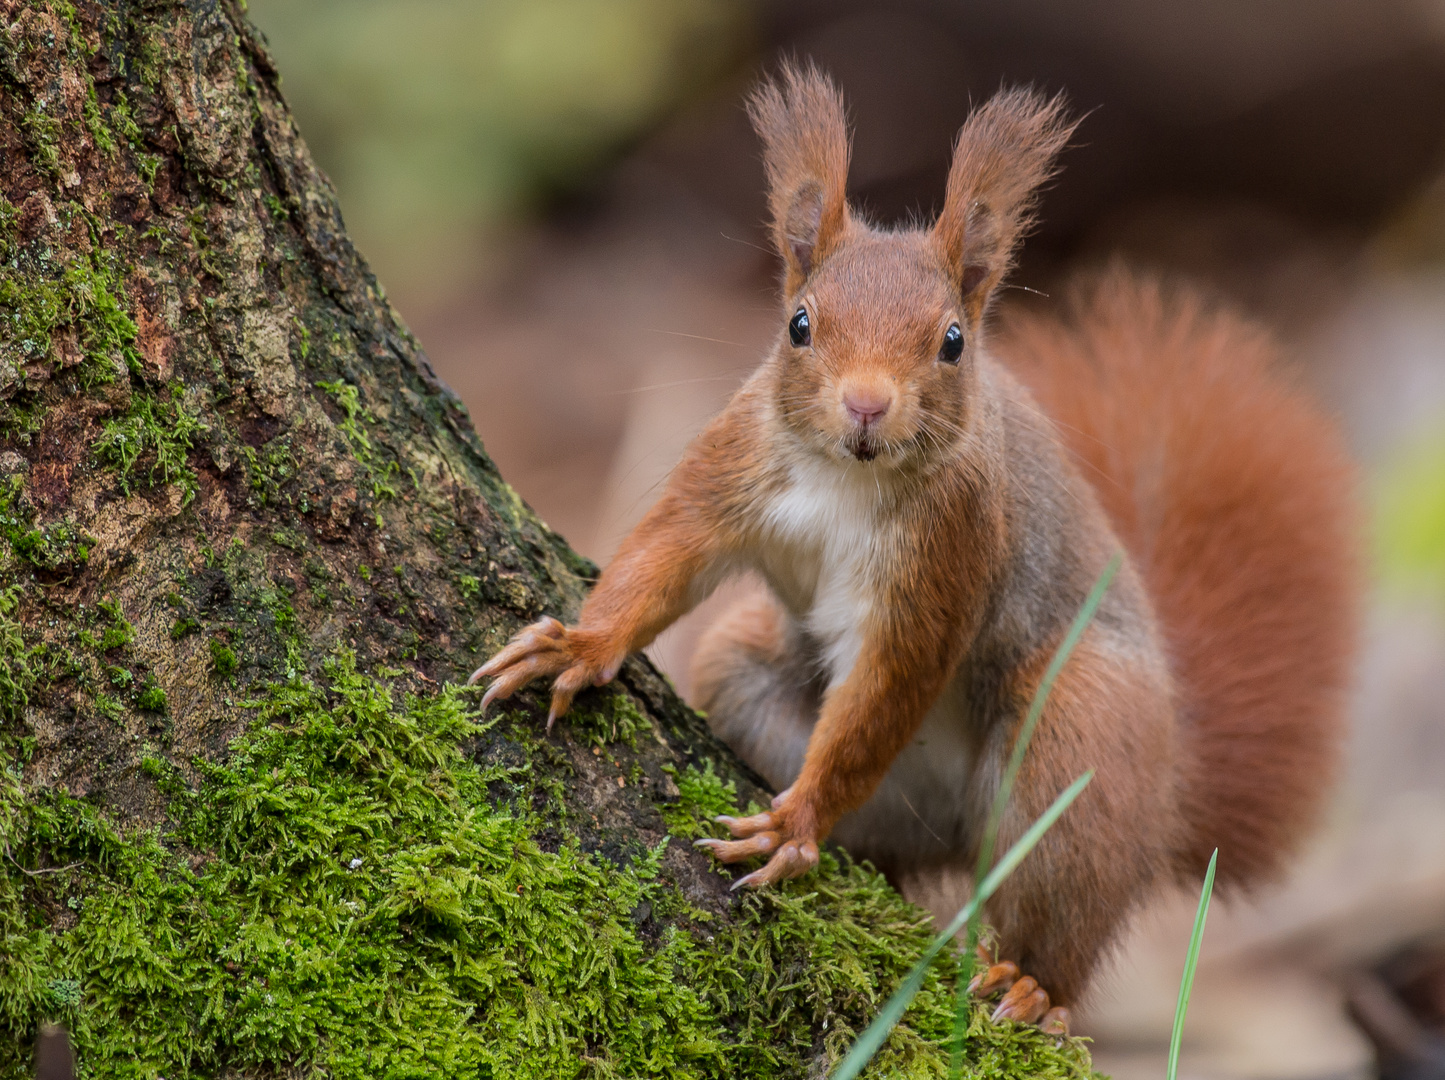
(288, 538)
(223, 659)
(124, 121)
(349, 895)
(42, 132)
(469, 585)
(152, 432)
(99, 130)
(183, 627)
(381, 472)
(118, 632)
(702, 796)
(85, 295)
(60, 547)
(109, 707)
(18, 675)
(615, 719)
(151, 698)
(9, 215)
(57, 548)
(270, 468)
(303, 332)
(434, 936)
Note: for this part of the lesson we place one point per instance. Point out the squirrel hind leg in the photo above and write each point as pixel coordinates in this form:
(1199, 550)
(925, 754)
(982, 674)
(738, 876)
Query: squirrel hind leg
(753, 677)
(1062, 909)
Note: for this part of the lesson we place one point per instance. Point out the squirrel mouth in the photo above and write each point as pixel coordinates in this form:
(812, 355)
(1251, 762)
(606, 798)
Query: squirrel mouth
(864, 450)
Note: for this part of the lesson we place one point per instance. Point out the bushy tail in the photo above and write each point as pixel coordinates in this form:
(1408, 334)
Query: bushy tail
(1236, 499)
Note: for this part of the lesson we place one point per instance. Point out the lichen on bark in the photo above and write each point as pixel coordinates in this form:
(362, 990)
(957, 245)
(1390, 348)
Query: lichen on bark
(248, 544)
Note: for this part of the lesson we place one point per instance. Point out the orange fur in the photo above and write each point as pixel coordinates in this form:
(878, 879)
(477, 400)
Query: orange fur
(1236, 499)
(927, 532)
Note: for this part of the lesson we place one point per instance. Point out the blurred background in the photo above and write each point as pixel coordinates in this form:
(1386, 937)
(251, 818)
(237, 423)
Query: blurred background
(564, 201)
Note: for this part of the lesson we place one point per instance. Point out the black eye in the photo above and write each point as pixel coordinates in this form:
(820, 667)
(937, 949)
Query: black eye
(800, 333)
(952, 347)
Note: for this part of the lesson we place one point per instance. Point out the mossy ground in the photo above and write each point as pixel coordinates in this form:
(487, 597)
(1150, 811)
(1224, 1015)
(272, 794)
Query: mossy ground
(354, 894)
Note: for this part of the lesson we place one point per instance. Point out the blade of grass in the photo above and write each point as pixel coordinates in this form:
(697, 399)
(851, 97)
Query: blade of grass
(1061, 656)
(1186, 984)
(876, 1033)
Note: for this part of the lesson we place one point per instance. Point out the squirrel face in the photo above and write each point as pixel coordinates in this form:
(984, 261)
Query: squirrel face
(874, 362)
(880, 375)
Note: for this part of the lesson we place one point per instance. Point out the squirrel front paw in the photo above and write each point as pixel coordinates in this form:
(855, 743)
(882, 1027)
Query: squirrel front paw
(783, 831)
(576, 658)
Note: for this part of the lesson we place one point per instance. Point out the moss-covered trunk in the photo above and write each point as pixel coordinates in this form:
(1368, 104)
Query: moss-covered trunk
(247, 824)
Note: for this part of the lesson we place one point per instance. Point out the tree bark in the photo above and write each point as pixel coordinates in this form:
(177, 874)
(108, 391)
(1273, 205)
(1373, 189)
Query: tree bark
(239, 510)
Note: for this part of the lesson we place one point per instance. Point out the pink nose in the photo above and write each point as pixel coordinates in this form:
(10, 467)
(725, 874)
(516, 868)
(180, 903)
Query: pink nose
(866, 406)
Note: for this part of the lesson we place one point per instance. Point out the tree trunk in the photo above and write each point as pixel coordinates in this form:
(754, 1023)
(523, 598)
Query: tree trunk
(250, 541)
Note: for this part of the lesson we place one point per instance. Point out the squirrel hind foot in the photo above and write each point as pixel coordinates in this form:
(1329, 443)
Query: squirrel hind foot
(1024, 1000)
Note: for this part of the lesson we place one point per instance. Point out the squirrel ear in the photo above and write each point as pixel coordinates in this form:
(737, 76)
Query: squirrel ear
(1004, 152)
(804, 129)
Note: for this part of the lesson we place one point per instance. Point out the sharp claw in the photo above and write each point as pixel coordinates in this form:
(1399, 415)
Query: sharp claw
(475, 677)
(742, 828)
(551, 718)
(493, 692)
(731, 851)
(1025, 1002)
(994, 978)
(749, 880)
(1056, 1021)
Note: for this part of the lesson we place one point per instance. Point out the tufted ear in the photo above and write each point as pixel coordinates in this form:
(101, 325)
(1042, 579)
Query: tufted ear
(801, 120)
(1004, 152)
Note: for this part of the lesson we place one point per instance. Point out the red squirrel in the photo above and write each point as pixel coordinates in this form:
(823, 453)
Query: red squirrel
(929, 504)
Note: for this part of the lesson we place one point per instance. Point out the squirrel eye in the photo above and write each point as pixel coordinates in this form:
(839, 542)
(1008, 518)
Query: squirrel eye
(952, 347)
(800, 333)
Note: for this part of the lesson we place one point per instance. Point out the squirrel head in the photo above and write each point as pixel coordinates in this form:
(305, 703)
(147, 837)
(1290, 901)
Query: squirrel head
(875, 357)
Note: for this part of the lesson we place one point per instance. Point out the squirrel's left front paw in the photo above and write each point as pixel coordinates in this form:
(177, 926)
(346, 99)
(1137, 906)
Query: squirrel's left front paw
(794, 849)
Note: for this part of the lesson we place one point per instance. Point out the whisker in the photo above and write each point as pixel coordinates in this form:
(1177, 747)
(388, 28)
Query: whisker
(678, 382)
(904, 796)
(747, 243)
(697, 337)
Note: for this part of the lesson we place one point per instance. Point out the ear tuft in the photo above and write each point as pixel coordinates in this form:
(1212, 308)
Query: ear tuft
(1004, 152)
(804, 128)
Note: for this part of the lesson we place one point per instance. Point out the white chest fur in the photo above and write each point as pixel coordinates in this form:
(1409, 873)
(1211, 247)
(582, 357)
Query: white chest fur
(823, 541)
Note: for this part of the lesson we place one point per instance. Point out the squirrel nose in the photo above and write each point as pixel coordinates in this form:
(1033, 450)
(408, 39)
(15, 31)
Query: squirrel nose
(866, 406)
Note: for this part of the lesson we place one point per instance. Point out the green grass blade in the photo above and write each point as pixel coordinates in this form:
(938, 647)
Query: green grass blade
(876, 1033)
(961, 1014)
(1186, 984)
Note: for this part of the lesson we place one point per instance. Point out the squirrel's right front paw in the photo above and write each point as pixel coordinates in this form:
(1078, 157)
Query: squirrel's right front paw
(575, 657)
